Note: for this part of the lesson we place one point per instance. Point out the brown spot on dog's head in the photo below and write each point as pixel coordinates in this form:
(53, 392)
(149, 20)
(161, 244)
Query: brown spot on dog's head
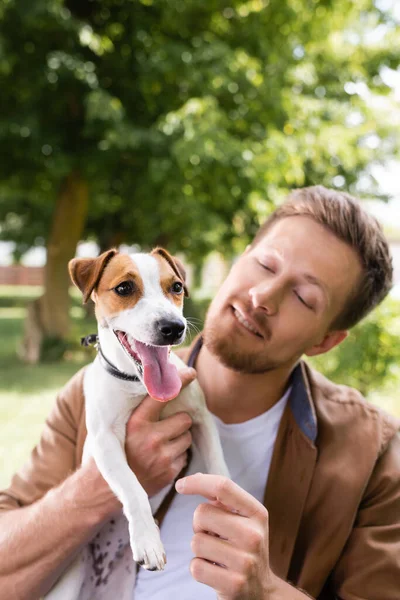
(122, 275)
(112, 279)
(171, 276)
(87, 272)
(175, 265)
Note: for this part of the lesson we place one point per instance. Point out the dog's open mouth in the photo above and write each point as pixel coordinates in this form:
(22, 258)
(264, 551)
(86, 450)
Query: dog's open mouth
(159, 375)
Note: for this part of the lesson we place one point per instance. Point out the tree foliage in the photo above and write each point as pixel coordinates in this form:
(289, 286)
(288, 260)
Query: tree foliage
(188, 119)
(179, 122)
(370, 356)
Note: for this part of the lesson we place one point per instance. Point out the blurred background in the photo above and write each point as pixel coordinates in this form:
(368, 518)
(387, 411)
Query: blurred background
(181, 123)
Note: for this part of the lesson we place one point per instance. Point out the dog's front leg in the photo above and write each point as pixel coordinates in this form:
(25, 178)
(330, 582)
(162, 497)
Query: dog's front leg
(206, 438)
(109, 454)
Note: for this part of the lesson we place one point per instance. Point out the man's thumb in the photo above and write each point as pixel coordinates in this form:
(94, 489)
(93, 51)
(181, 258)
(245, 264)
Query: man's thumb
(149, 409)
(187, 375)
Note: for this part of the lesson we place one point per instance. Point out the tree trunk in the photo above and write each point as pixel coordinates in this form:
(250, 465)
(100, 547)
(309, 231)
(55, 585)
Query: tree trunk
(48, 320)
(113, 239)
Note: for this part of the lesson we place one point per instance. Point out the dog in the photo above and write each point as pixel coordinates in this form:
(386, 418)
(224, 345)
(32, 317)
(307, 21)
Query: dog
(139, 308)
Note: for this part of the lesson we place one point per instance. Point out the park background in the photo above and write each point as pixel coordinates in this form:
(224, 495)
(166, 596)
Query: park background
(181, 123)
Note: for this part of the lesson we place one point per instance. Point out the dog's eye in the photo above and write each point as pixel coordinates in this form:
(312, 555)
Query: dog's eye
(125, 288)
(177, 288)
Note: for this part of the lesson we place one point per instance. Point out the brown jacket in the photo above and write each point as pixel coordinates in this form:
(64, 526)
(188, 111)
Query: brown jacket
(333, 491)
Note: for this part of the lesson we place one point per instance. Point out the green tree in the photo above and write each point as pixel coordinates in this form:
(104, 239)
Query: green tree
(370, 356)
(178, 123)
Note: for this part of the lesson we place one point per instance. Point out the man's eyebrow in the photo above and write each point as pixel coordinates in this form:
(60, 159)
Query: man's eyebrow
(314, 280)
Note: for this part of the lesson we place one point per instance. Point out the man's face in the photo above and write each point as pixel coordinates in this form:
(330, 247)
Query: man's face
(281, 296)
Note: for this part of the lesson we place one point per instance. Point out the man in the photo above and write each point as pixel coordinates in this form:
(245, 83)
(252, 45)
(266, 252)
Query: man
(314, 509)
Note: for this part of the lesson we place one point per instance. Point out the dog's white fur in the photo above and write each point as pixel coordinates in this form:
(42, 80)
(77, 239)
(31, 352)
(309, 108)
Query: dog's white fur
(109, 403)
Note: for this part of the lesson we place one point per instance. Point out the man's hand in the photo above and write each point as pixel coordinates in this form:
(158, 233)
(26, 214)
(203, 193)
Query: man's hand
(157, 450)
(230, 539)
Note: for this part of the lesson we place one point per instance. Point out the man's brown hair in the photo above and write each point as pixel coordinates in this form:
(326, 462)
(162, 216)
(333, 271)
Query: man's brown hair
(344, 216)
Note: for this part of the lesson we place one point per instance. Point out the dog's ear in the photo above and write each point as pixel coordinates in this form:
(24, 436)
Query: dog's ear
(176, 265)
(86, 272)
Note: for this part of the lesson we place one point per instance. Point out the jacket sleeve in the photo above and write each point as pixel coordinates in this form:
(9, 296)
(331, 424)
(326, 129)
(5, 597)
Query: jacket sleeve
(369, 567)
(54, 458)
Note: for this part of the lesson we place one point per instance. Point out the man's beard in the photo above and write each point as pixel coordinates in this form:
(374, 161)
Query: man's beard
(224, 346)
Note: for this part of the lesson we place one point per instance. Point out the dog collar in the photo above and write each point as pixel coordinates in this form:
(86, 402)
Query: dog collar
(93, 339)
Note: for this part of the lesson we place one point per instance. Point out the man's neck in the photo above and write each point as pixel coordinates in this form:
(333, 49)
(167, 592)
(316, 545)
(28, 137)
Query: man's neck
(237, 397)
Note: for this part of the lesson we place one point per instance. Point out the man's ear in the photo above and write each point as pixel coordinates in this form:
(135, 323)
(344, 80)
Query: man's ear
(86, 272)
(176, 265)
(330, 341)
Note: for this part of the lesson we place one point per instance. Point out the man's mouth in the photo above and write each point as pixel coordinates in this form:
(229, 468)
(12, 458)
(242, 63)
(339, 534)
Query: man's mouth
(246, 323)
(158, 374)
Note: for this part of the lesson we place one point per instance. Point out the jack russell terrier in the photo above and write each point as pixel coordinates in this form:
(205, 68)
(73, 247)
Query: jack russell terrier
(138, 305)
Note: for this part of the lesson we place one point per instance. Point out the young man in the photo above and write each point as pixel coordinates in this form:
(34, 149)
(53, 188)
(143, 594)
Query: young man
(314, 506)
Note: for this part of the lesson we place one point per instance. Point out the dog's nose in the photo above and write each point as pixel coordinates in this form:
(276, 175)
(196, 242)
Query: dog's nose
(171, 331)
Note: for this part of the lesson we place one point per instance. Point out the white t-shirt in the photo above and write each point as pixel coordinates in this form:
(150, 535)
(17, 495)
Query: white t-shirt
(248, 451)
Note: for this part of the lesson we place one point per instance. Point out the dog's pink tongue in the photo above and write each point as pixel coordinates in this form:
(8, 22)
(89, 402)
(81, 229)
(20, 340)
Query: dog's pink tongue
(160, 376)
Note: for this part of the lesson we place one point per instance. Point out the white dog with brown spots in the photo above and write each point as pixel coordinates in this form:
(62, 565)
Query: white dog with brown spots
(138, 304)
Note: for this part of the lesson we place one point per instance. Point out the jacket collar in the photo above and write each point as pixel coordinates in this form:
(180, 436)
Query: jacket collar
(301, 403)
(291, 472)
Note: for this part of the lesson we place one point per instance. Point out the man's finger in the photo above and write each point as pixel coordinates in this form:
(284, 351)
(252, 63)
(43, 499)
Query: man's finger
(180, 444)
(219, 522)
(174, 426)
(179, 463)
(187, 375)
(226, 492)
(213, 575)
(150, 409)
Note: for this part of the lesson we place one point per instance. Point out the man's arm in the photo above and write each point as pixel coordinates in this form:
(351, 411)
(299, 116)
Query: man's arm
(51, 509)
(369, 566)
(38, 541)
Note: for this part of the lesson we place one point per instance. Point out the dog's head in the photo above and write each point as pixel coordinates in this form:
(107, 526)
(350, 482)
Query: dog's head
(138, 304)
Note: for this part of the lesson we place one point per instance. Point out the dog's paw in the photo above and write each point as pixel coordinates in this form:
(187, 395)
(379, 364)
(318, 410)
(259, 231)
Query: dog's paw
(147, 548)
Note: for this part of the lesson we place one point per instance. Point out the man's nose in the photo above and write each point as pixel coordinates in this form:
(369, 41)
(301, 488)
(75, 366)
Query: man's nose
(266, 296)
